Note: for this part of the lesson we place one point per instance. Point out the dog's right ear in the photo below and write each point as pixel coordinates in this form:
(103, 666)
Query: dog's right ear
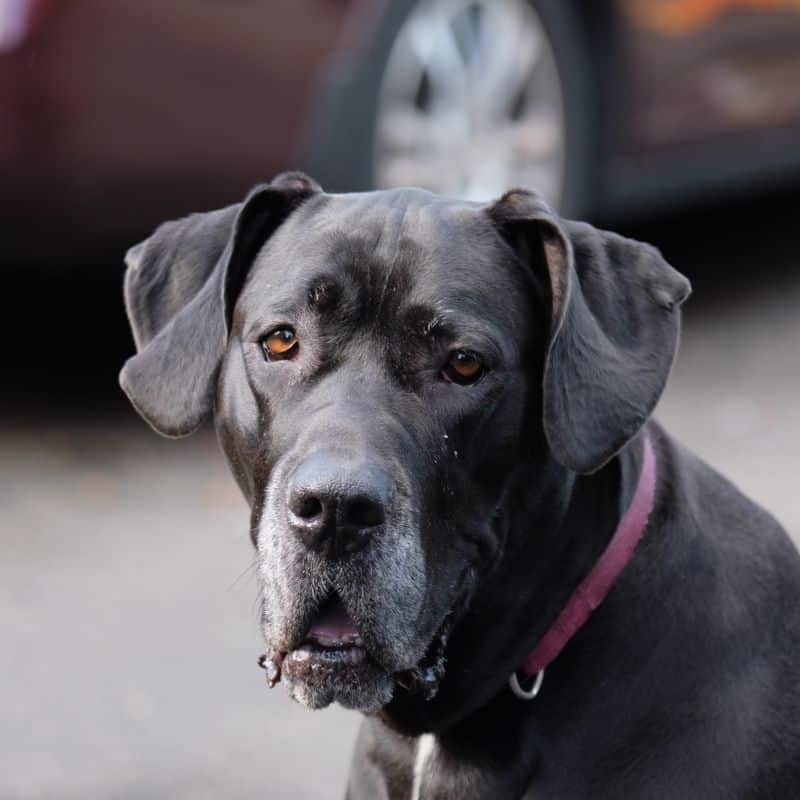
(181, 285)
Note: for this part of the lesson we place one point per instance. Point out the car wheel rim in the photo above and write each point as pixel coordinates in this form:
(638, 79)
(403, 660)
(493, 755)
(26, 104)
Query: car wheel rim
(471, 103)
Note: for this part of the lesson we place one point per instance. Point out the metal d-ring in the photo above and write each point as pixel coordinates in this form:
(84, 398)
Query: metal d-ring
(513, 682)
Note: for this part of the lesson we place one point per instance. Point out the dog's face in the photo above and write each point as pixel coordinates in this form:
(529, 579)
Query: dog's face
(379, 365)
(372, 400)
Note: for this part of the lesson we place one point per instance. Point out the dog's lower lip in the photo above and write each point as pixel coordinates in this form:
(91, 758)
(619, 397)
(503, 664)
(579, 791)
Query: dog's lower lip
(333, 642)
(342, 654)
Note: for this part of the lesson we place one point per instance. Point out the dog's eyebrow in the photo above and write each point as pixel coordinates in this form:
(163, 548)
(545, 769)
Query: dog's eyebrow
(433, 325)
(423, 320)
(323, 291)
(449, 325)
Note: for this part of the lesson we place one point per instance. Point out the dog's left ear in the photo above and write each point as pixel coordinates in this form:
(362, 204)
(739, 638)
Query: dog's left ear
(181, 285)
(615, 321)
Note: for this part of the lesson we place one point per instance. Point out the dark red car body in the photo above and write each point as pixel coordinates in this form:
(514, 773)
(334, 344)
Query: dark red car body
(115, 115)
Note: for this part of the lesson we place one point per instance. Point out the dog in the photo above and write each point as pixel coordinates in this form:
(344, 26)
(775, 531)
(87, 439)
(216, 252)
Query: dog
(467, 525)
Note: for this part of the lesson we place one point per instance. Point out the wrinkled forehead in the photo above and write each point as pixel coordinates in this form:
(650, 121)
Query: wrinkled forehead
(398, 248)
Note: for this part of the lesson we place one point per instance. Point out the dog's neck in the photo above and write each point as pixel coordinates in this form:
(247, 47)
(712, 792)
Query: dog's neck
(559, 524)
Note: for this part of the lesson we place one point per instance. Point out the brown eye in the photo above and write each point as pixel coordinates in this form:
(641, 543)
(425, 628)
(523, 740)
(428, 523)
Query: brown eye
(463, 368)
(280, 344)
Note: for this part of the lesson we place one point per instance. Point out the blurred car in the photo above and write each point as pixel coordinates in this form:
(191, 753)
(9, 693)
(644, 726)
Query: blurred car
(114, 116)
(612, 107)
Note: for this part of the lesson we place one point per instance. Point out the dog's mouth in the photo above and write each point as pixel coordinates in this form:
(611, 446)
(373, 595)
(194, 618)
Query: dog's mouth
(333, 653)
(333, 638)
(332, 645)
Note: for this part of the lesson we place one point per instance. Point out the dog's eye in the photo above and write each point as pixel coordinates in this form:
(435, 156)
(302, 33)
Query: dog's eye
(279, 345)
(463, 368)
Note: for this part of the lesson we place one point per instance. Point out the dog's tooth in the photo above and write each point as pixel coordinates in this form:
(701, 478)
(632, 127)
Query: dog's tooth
(303, 653)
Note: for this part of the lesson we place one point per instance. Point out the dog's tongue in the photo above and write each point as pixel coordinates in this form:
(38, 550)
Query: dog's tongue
(334, 627)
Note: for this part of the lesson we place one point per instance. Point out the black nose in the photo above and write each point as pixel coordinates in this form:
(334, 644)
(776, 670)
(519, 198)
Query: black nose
(335, 504)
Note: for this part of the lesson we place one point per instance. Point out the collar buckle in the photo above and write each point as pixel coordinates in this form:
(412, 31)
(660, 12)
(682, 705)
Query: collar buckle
(526, 694)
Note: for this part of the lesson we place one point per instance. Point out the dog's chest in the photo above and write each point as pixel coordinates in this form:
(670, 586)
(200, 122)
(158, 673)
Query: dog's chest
(424, 765)
(437, 775)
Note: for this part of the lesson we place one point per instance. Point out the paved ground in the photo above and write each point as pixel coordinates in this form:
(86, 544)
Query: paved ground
(129, 636)
(127, 597)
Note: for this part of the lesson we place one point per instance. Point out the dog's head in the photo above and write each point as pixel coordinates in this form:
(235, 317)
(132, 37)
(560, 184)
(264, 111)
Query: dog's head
(379, 366)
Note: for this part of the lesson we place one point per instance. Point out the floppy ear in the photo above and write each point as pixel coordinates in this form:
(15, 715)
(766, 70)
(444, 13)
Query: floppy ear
(615, 320)
(180, 288)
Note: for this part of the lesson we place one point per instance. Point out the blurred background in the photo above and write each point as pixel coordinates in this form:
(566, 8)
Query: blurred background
(128, 598)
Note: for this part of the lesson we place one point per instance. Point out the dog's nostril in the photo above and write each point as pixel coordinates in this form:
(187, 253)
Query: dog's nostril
(308, 507)
(362, 512)
(336, 504)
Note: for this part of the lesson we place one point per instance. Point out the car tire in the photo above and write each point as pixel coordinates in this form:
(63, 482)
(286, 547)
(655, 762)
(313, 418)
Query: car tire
(341, 140)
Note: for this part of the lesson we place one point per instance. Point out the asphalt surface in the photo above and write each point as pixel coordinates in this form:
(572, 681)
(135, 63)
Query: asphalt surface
(128, 618)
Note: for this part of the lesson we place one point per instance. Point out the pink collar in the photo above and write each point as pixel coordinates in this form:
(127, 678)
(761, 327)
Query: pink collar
(595, 586)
